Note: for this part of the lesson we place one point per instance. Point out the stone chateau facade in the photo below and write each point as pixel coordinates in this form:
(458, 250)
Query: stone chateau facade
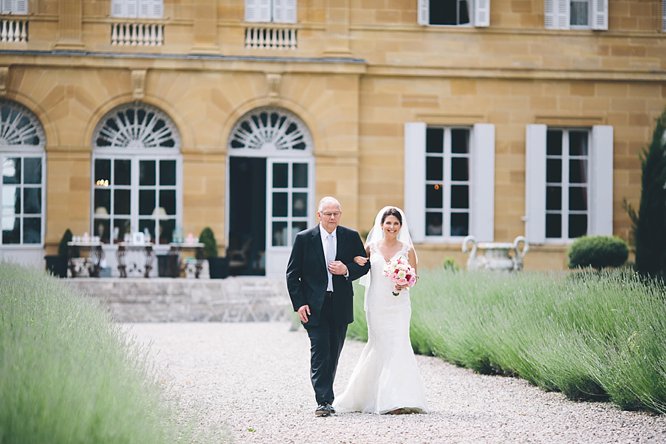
(487, 118)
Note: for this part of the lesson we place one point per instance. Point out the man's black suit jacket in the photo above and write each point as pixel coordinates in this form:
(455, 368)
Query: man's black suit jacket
(307, 277)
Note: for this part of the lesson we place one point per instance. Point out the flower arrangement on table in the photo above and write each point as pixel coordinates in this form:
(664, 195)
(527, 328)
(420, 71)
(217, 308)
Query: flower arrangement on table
(400, 273)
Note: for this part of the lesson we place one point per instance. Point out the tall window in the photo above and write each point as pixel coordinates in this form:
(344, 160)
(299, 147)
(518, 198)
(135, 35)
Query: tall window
(569, 182)
(19, 7)
(22, 186)
(567, 174)
(153, 9)
(454, 12)
(136, 175)
(576, 14)
(275, 11)
(449, 181)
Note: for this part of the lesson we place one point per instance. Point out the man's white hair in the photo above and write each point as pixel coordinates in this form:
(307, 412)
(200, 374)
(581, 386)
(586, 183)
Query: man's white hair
(329, 200)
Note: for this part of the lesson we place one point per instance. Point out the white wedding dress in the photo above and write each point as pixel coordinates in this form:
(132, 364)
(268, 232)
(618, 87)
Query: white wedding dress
(386, 376)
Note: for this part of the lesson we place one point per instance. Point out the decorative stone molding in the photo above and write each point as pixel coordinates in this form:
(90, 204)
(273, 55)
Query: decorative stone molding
(4, 74)
(13, 30)
(138, 83)
(274, 80)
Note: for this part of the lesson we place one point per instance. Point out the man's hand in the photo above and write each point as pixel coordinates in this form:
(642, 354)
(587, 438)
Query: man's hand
(303, 313)
(337, 267)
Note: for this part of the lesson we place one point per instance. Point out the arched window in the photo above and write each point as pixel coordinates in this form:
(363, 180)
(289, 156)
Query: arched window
(22, 187)
(136, 175)
(269, 131)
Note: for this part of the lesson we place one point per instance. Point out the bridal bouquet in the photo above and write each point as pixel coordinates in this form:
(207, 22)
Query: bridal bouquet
(400, 272)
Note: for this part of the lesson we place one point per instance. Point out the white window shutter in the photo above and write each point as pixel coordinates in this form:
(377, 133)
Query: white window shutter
(549, 14)
(424, 12)
(131, 8)
(600, 15)
(21, 7)
(663, 15)
(415, 160)
(258, 10)
(482, 13)
(284, 11)
(118, 8)
(562, 14)
(150, 9)
(535, 184)
(483, 183)
(601, 181)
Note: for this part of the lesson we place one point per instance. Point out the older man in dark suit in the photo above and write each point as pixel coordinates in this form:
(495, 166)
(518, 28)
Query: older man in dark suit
(319, 278)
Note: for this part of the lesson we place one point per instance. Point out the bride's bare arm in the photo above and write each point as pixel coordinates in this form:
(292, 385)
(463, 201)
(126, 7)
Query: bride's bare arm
(412, 259)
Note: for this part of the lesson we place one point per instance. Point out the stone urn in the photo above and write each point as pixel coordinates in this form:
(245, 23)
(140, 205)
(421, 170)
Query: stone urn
(495, 255)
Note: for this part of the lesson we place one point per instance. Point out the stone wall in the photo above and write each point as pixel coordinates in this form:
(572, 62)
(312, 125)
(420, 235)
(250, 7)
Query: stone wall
(236, 299)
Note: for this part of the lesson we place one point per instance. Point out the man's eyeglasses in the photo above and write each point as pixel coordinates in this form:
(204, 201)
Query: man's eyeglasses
(329, 213)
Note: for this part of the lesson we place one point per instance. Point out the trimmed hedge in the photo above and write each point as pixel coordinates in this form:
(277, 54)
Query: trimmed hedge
(598, 252)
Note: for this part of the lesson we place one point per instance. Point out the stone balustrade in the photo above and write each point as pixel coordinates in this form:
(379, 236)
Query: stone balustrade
(13, 30)
(137, 34)
(261, 37)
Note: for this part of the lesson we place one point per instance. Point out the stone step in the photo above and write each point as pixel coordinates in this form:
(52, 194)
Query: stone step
(235, 299)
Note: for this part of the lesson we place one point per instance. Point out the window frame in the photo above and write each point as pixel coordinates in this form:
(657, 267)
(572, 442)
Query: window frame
(15, 7)
(566, 184)
(446, 210)
(137, 9)
(600, 182)
(134, 187)
(478, 11)
(481, 180)
(557, 15)
(271, 11)
(27, 152)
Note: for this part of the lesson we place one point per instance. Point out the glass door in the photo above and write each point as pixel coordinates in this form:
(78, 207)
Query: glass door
(289, 206)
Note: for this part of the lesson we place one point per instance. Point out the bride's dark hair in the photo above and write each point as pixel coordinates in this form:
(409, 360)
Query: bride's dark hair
(392, 212)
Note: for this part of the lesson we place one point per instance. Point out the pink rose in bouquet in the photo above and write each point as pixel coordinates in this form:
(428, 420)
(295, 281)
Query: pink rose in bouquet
(400, 273)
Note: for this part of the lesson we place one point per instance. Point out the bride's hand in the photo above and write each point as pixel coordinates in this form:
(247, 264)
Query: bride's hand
(360, 260)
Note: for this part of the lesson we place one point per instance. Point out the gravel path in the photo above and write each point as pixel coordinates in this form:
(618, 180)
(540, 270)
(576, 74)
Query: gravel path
(254, 378)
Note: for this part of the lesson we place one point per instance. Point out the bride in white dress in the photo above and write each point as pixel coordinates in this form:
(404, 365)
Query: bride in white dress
(386, 378)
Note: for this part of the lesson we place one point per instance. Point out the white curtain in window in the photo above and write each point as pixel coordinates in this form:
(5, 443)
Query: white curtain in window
(258, 10)
(414, 198)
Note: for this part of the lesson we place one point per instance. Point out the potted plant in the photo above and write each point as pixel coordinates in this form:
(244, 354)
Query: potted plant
(217, 266)
(57, 264)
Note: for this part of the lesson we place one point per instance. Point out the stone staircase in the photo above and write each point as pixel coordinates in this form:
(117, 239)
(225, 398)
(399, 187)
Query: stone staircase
(235, 299)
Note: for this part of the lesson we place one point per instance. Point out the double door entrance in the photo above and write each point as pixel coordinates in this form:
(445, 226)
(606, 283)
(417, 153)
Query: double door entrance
(270, 201)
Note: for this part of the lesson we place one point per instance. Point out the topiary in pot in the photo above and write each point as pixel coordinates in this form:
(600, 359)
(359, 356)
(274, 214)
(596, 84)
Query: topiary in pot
(598, 252)
(217, 266)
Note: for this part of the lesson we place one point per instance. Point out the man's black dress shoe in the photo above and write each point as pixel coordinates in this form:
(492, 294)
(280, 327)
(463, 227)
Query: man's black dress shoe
(322, 410)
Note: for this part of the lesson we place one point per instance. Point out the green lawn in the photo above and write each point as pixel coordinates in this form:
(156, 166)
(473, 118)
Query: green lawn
(599, 336)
